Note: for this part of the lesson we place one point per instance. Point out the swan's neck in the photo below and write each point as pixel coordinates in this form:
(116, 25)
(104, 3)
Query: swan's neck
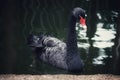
(72, 37)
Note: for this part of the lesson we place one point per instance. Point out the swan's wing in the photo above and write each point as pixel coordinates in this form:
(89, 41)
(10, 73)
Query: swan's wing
(51, 42)
(55, 52)
(54, 47)
(55, 55)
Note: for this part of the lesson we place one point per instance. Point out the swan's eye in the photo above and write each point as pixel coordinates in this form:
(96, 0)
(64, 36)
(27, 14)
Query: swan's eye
(79, 17)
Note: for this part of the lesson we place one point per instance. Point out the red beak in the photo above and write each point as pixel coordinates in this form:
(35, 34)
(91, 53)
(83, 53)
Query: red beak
(83, 22)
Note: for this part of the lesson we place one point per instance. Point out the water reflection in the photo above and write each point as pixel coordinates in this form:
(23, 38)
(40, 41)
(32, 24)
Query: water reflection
(103, 37)
(101, 55)
(96, 48)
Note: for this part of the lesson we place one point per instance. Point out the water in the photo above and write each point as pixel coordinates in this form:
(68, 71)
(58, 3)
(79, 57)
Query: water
(98, 49)
(51, 16)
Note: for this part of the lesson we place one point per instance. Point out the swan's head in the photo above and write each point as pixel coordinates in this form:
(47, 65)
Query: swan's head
(79, 14)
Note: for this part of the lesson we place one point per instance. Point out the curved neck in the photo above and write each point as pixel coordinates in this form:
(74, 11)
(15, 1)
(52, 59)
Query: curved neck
(72, 37)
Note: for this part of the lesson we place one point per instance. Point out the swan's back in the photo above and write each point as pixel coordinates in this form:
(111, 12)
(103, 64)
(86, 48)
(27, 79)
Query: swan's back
(55, 51)
(50, 50)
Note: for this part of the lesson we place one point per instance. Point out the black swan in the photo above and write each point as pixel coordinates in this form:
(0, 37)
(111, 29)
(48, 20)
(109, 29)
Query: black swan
(54, 51)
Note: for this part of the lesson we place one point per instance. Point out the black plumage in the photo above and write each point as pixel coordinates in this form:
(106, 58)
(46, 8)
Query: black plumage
(56, 52)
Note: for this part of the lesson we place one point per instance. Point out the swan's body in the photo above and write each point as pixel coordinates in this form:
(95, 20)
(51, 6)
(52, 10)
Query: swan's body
(56, 52)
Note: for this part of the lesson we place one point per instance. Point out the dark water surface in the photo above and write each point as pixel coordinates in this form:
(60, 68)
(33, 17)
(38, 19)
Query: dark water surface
(51, 17)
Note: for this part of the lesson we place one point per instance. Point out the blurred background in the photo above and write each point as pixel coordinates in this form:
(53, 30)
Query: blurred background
(99, 46)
